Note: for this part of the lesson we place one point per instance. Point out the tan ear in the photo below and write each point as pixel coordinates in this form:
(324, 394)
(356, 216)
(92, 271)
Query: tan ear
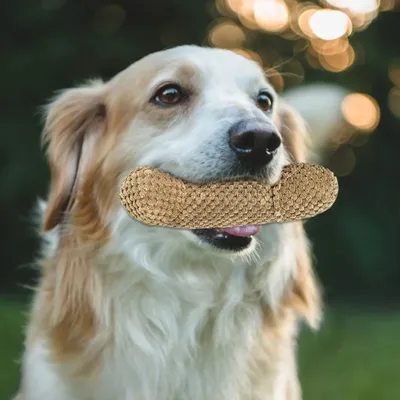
(294, 132)
(73, 122)
(305, 297)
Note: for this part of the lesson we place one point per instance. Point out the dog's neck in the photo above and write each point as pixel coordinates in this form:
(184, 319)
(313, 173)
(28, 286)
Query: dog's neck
(139, 253)
(150, 298)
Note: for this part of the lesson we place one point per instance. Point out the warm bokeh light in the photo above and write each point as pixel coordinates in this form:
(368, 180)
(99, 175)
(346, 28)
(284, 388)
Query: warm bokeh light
(356, 6)
(227, 34)
(294, 20)
(338, 62)
(394, 72)
(394, 101)
(244, 9)
(361, 12)
(235, 5)
(303, 20)
(321, 30)
(330, 47)
(330, 24)
(246, 15)
(387, 5)
(361, 111)
(271, 15)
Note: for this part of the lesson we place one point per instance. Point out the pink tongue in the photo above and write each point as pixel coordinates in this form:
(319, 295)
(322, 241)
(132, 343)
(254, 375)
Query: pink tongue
(248, 230)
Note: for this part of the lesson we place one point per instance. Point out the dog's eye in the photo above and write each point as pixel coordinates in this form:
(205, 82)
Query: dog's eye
(264, 101)
(168, 95)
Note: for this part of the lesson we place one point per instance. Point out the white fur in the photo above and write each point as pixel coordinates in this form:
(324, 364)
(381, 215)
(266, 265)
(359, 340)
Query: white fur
(185, 321)
(41, 378)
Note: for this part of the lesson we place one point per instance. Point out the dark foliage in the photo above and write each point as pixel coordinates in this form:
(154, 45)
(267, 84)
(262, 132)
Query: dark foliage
(53, 44)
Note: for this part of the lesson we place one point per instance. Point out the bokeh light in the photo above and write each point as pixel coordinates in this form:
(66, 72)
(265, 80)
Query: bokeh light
(361, 111)
(235, 5)
(320, 32)
(356, 6)
(303, 20)
(326, 26)
(331, 47)
(394, 72)
(338, 62)
(227, 34)
(387, 5)
(330, 24)
(271, 15)
(394, 101)
(245, 12)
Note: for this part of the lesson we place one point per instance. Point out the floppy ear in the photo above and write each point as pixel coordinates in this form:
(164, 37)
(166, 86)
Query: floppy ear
(73, 122)
(294, 132)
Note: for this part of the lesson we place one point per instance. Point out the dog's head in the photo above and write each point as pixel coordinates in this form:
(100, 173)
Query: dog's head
(198, 113)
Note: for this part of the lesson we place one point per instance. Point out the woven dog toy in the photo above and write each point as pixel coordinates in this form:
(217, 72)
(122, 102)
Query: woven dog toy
(155, 197)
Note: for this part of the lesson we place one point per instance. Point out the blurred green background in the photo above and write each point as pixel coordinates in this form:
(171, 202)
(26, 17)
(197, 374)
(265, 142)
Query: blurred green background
(52, 44)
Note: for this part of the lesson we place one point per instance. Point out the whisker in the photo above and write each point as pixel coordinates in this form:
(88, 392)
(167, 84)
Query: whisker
(291, 74)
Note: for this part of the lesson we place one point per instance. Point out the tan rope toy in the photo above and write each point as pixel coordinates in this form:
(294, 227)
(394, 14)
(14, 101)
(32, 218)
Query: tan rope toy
(155, 197)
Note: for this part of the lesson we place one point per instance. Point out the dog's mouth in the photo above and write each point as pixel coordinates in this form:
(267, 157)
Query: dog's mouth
(236, 238)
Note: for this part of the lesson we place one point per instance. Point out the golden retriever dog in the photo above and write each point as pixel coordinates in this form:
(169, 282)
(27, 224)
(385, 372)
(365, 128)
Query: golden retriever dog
(126, 311)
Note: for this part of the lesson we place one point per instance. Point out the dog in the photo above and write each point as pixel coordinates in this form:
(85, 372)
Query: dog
(126, 311)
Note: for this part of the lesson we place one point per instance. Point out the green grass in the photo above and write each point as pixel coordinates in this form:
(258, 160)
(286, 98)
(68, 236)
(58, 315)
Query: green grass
(12, 322)
(355, 356)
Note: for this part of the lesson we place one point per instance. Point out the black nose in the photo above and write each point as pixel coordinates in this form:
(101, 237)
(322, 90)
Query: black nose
(253, 143)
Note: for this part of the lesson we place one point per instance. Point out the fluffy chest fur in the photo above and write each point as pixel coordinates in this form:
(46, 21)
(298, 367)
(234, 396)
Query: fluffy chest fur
(183, 327)
(188, 340)
(188, 326)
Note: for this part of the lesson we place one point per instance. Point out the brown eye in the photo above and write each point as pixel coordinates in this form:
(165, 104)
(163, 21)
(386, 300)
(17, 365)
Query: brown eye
(168, 95)
(264, 101)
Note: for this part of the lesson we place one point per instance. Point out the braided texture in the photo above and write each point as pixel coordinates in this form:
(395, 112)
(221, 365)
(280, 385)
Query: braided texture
(155, 197)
